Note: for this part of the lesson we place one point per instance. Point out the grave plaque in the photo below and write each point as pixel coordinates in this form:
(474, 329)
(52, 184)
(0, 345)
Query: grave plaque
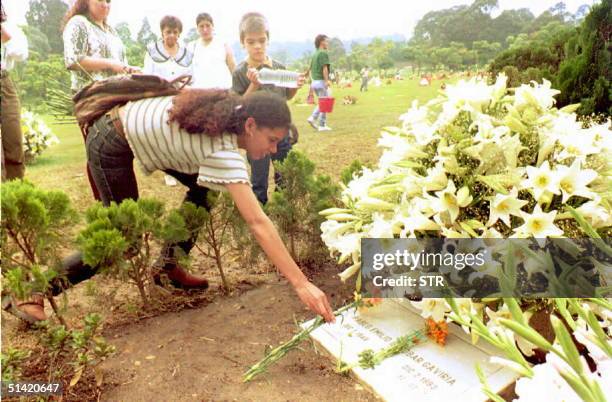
(427, 372)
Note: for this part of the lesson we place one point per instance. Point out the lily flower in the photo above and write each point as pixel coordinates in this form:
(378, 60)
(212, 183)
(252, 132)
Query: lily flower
(448, 200)
(574, 181)
(541, 181)
(502, 206)
(539, 225)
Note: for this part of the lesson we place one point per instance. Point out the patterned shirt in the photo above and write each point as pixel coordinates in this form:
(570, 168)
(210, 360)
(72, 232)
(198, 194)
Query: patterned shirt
(161, 145)
(83, 38)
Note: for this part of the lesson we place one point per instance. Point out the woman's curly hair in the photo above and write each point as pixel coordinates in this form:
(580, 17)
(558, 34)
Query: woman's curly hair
(216, 111)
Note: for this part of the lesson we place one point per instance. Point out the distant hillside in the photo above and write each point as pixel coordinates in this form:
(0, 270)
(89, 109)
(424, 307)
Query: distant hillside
(287, 52)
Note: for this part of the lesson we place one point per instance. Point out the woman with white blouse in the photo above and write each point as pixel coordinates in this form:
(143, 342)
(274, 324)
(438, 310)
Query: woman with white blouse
(167, 58)
(213, 60)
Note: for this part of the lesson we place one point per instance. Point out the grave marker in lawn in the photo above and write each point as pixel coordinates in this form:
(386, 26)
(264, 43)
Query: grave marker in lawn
(428, 371)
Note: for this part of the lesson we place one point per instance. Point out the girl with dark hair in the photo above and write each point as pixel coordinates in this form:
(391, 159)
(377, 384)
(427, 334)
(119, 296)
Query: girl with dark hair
(193, 136)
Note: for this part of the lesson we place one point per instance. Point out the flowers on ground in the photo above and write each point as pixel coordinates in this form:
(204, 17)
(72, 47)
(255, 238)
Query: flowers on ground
(37, 136)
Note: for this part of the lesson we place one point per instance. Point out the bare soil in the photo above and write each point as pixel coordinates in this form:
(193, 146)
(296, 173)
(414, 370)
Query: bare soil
(201, 354)
(196, 346)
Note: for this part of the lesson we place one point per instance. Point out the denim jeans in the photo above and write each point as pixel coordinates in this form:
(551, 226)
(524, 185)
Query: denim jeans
(320, 90)
(111, 160)
(260, 170)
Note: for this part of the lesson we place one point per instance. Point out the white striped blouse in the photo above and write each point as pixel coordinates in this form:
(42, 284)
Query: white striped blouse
(161, 145)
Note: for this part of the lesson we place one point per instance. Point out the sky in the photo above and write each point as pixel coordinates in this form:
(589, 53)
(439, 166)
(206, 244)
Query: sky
(292, 20)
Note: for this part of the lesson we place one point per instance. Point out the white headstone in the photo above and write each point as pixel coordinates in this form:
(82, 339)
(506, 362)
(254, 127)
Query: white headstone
(427, 372)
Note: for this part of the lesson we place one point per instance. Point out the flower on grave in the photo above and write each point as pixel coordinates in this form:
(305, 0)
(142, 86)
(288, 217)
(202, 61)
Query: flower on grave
(435, 309)
(437, 331)
(504, 205)
(479, 161)
(482, 162)
(538, 224)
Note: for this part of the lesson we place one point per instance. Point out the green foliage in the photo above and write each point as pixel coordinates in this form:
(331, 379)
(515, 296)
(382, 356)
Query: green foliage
(72, 352)
(544, 50)
(11, 362)
(134, 50)
(40, 78)
(38, 43)
(119, 238)
(584, 76)
(145, 34)
(576, 60)
(47, 15)
(33, 227)
(295, 206)
(215, 227)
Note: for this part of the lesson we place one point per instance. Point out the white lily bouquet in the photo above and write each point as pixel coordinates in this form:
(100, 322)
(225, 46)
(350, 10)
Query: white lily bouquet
(37, 136)
(485, 161)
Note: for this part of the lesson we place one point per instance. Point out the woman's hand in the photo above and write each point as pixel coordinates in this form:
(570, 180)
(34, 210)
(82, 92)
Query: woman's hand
(120, 68)
(315, 300)
(269, 240)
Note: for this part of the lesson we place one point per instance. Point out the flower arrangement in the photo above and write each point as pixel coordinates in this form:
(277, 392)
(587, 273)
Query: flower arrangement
(37, 136)
(485, 161)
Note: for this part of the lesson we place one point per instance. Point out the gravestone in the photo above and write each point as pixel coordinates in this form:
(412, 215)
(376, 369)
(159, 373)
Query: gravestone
(427, 372)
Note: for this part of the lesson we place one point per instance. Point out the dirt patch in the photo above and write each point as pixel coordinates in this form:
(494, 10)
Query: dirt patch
(201, 354)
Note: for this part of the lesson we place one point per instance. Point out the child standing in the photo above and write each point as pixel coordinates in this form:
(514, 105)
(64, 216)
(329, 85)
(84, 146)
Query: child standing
(254, 37)
(319, 72)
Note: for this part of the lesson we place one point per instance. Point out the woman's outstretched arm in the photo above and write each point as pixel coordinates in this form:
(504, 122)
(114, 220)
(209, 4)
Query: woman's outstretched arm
(264, 231)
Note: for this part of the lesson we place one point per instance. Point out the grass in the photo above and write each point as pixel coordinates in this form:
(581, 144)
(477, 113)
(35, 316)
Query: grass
(356, 129)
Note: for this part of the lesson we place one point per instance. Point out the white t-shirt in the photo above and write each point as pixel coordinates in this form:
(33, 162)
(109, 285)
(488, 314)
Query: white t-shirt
(16, 49)
(209, 65)
(161, 145)
(158, 62)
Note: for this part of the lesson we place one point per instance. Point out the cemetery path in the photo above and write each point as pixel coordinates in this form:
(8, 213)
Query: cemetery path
(201, 354)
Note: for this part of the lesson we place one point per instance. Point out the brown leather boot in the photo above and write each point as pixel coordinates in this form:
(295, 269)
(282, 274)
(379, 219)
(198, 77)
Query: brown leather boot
(183, 279)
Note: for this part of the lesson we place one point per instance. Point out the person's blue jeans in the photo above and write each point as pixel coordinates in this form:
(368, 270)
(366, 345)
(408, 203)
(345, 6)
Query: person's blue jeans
(320, 90)
(260, 170)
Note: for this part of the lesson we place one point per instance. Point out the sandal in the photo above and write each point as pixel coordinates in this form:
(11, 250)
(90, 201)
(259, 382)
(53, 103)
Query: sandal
(32, 310)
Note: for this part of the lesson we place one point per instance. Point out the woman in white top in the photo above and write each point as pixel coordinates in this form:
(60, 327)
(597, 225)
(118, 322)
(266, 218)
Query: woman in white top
(213, 60)
(168, 59)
